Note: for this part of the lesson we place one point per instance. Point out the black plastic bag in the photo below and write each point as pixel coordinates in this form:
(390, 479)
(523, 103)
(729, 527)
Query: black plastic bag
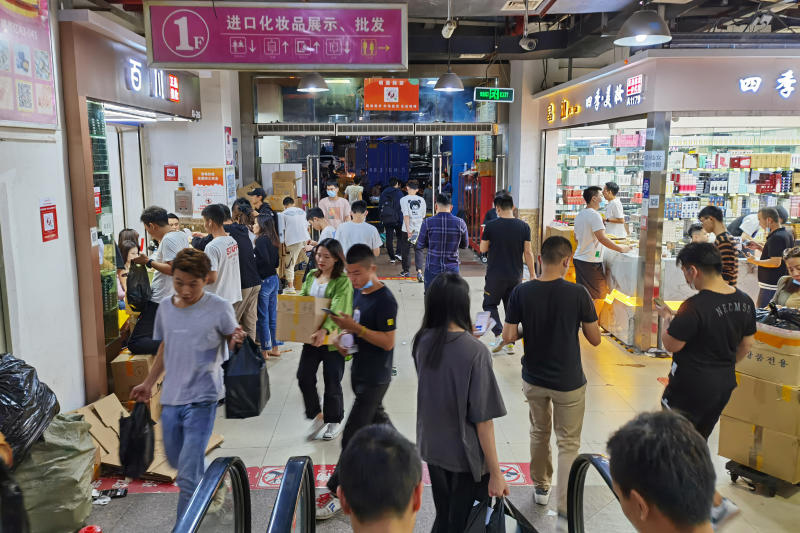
(26, 405)
(246, 382)
(12, 507)
(138, 293)
(477, 522)
(136, 441)
(507, 519)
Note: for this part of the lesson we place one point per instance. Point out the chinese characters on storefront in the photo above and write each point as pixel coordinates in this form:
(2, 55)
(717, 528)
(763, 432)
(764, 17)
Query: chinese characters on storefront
(784, 84)
(299, 35)
(613, 94)
(153, 82)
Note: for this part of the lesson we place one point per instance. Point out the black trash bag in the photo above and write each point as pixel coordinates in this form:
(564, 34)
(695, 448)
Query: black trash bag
(477, 521)
(26, 405)
(138, 293)
(12, 507)
(246, 382)
(136, 441)
(507, 519)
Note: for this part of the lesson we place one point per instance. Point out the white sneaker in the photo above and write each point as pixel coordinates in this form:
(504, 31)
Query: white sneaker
(332, 431)
(327, 506)
(542, 496)
(722, 513)
(509, 349)
(498, 341)
(316, 428)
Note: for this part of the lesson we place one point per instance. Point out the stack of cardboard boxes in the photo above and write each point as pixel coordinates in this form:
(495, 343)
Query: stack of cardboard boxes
(284, 183)
(760, 427)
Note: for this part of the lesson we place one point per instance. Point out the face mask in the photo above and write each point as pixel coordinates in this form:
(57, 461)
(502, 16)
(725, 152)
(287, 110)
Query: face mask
(368, 285)
(603, 203)
(796, 282)
(331, 194)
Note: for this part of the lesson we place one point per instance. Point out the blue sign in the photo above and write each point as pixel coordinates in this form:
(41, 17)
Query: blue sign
(646, 188)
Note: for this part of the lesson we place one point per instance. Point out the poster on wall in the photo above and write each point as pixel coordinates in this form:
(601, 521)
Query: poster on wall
(228, 146)
(27, 94)
(391, 94)
(212, 185)
(49, 219)
(170, 172)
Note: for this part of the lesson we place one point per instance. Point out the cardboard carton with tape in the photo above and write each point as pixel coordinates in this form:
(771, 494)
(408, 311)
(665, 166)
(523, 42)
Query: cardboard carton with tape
(299, 317)
(775, 356)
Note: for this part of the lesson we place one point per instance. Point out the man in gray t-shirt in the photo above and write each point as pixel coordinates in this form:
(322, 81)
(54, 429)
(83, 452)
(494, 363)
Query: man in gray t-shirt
(156, 222)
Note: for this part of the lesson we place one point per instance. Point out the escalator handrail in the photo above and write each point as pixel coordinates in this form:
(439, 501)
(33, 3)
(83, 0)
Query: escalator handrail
(575, 488)
(297, 482)
(204, 493)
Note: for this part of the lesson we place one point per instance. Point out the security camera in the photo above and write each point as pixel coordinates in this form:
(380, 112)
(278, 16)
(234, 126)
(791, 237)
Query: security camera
(448, 28)
(469, 105)
(528, 43)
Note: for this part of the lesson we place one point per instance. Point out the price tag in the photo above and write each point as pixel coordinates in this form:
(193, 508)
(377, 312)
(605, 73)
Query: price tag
(654, 161)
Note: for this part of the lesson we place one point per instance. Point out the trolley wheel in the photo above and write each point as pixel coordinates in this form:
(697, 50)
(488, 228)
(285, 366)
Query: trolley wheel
(772, 491)
(484, 259)
(734, 477)
(752, 486)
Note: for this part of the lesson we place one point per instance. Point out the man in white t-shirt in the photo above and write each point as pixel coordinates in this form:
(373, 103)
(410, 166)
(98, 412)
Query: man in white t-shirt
(615, 214)
(293, 233)
(590, 234)
(225, 278)
(359, 231)
(156, 222)
(414, 209)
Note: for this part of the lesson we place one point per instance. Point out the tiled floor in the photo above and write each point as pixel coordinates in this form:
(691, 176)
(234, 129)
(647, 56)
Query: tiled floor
(619, 385)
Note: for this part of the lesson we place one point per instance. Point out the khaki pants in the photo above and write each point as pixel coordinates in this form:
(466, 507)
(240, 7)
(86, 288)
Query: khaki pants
(564, 412)
(290, 255)
(247, 310)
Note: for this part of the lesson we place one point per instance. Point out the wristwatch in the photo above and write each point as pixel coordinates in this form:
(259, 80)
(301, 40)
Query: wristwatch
(149, 263)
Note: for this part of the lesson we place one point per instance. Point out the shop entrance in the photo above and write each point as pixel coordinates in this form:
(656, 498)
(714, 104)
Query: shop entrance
(125, 173)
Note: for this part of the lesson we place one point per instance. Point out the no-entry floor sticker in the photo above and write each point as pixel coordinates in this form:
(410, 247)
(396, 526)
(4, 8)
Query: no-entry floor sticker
(270, 477)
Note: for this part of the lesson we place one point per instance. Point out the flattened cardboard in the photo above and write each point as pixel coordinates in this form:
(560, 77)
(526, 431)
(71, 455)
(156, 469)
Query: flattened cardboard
(763, 449)
(109, 409)
(299, 317)
(767, 404)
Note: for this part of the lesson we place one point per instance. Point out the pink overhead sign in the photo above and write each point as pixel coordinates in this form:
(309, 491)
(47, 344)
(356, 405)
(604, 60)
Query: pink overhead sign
(276, 36)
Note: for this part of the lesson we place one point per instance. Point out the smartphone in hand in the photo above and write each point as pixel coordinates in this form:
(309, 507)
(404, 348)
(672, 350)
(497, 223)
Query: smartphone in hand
(330, 312)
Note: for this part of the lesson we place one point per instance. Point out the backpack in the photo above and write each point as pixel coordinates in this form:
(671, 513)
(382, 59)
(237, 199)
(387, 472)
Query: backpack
(735, 227)
(390, 207)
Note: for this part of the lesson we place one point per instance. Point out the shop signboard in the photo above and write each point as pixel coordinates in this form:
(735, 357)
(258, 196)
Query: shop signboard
(390, 94)
(276, 36)
(48, 219)
(493, 94)
(27, 89)
(212, 185)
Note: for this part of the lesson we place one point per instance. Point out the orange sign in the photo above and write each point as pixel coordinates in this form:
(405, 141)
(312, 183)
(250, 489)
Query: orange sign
(390, 94)
(208, 176)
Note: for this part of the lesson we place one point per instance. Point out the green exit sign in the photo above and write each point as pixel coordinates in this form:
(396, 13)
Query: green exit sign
(493, 94)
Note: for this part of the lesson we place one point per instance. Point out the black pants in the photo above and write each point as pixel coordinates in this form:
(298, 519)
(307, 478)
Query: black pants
(141, 339)
(699, 400)
(453, 495)
(405, 253)
(367, 410)
(332, 373)
(494, 292)
(393, 230)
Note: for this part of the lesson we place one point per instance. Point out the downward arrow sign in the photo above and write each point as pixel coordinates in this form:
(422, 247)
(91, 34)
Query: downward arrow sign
(347, 47)
(252, 47)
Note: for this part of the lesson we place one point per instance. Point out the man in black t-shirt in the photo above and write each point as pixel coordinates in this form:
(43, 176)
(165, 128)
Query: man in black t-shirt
(771, 267)
(508, 241)
(712, 331)
(372, 328)
(551, 311)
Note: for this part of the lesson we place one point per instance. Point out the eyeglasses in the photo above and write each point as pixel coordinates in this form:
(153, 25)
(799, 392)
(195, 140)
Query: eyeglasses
(791, 253)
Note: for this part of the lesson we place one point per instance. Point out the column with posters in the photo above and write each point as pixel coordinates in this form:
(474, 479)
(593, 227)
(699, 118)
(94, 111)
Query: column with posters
(27, 89)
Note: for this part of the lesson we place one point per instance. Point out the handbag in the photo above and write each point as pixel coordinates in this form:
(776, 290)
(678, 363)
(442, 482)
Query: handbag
(508, 519)
(246, 381)
(136, 441)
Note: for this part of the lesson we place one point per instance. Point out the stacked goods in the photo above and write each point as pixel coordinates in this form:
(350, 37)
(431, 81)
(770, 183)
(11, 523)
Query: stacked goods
(284, 183)
(760, 427)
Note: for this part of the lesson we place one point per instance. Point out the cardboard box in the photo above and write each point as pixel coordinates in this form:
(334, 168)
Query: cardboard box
(154, 403)
(763, 449)
(299, 317)
(283, 176)
(774, 357)
(129, 370)
(767, 404)
(568, 232)
(485, 168)
(103, 417)
(275, 202)
(283, 190)
(241, 192)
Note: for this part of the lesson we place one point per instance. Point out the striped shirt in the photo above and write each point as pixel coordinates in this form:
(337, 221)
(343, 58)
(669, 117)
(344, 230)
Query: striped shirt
(442, 235)
(730, 265)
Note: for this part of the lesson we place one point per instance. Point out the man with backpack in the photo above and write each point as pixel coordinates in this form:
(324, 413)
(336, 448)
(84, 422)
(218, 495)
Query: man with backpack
(392, 219)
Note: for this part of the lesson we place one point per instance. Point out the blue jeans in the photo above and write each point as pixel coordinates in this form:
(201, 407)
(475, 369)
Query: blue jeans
(431, 274)
(268, 312)
(764, 297)
(187, 429)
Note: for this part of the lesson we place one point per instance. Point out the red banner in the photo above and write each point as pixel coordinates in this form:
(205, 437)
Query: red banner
(49, 220)
(389, 94)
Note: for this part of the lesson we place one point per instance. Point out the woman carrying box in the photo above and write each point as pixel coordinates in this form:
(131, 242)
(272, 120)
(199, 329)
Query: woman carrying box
(328, 280)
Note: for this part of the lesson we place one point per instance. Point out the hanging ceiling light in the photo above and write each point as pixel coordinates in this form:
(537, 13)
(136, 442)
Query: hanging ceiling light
(643, 28)
(449, 82)
(312, 83)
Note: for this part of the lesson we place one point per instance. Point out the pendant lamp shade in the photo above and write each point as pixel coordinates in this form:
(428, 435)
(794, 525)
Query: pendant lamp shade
(312, 83)
(643, 28)
(449, 83)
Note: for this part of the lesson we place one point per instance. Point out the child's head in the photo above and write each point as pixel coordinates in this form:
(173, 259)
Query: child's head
(190, 269)
(214, 216)
(361, 266)
(317, 218)
(359, 211)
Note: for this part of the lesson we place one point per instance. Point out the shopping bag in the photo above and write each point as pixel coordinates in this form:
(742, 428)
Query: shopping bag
(136, 441)
(139, 292)
(507, 519)
(476, 521)
(246, 381)
(26, 405)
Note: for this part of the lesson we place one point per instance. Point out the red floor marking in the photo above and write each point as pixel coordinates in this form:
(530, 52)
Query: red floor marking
(270, 477)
